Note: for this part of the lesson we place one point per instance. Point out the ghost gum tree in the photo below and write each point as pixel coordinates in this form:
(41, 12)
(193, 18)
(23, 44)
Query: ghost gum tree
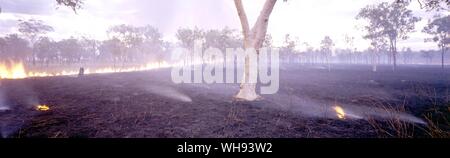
(392, 21)
(253, 39)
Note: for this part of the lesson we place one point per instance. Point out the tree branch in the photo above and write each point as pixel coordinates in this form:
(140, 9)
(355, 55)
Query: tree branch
(242, 18)
(260, 28)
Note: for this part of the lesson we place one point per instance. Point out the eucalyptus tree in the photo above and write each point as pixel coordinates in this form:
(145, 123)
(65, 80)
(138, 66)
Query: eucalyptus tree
(391, 21)
(326, 46)
(33, 29)
(440, 30)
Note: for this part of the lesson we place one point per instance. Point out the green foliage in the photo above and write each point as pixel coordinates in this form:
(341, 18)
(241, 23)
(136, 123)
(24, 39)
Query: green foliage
(221, 39)
(429, 4)
(33, 28)
(73, 4)
(388, 20)
(440, 29)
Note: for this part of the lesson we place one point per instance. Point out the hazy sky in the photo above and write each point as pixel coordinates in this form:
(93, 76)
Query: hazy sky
(308, 20)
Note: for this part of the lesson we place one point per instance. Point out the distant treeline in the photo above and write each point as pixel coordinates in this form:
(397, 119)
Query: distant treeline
(132, 44)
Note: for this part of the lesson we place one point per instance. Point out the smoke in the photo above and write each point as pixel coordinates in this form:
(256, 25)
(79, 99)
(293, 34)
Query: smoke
(13, 108)
(168, 92)
(3, 106)
(315, 108)
(367, 112)
(4, 132)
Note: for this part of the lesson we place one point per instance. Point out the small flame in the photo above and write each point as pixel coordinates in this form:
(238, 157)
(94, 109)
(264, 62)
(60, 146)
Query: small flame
(340, 113)
(42, 108)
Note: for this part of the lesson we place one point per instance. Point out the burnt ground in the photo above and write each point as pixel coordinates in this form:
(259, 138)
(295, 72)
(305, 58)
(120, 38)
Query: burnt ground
(148, 104)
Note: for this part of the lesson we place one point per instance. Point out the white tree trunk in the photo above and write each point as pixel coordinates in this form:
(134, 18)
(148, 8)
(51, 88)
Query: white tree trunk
(443, 56)
(253, 38)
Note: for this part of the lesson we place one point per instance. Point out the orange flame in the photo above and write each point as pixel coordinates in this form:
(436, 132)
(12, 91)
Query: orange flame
(16, 70)
(12, 70)
(340, 113)
(42, 108)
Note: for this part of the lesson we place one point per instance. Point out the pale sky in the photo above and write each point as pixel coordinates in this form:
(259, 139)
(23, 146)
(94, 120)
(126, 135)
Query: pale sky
(307, 20)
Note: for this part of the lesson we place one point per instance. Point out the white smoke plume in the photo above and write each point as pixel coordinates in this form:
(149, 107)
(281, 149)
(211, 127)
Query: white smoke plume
(168, 92)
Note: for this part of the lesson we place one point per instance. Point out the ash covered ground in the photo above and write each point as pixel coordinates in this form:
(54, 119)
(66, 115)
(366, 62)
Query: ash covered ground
(149, 104)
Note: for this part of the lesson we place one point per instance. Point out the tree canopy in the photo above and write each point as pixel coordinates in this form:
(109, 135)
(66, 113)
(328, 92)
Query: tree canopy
(430, 4)
(440, 29)
(390, 21)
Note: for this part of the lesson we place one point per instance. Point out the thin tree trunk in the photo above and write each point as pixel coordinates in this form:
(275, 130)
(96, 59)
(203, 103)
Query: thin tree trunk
(374, 61)
(328, 64)
(395, 54)
(443, 51)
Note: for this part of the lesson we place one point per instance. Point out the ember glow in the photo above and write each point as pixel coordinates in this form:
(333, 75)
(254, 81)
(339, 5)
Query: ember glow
(42, 108)
(17, 70)
(340, 113)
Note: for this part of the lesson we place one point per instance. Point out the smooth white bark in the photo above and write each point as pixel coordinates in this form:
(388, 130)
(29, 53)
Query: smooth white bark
(253, 38)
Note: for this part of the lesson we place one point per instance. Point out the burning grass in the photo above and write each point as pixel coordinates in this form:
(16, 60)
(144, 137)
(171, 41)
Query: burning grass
(118, 105)
(12, 70)
(42, 107)
(18, 70)
(340, 113)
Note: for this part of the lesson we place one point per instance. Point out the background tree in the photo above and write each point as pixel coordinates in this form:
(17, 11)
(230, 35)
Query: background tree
(378, 45)
(392, 21)
(268, 41)
(131, 38)
(407, 55)
(429, 4)
(73, 4)
(287, 51)
(89, 48)
(222, 39)
(32, 29)
(3, 46)
(440, 29)
(112, 49)
(187, 36)
(428, 55)
(309, 53)
(70, 50)
(350, 44)
(326, 48)
(152, 45)
(45, 50)
(15, 48)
